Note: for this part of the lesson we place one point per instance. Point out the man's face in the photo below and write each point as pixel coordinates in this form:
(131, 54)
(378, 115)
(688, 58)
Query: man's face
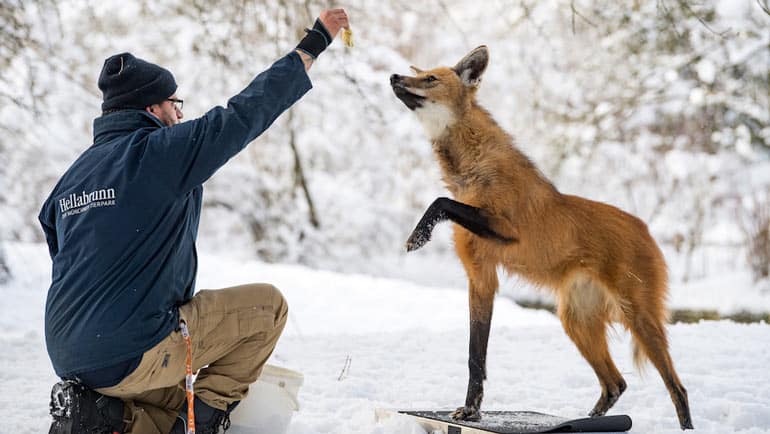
(166, 111)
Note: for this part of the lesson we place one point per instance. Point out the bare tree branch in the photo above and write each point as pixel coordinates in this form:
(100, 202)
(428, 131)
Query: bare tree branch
(575, 12)
(299, 173)
(685, 6)
(662, 201)
(15, 100)
(764, 6)
(669, 16)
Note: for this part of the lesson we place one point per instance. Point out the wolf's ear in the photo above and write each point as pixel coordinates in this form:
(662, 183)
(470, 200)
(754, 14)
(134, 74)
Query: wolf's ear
(416, 70)
(472, 66)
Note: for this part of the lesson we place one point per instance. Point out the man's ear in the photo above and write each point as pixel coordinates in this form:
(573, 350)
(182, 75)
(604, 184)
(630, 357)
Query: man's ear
(472, 66)
(153, 110)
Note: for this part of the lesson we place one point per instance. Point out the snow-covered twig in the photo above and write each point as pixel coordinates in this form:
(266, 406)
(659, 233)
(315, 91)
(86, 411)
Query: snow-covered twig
(345, 369)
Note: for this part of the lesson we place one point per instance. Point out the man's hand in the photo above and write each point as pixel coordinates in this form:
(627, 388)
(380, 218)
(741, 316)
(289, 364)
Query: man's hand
(334, 20)
(311, 46)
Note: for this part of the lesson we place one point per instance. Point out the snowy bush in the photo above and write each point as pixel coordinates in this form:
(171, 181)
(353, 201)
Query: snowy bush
(757, 229)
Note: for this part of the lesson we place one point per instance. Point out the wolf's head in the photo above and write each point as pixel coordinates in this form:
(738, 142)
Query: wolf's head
(439, 96)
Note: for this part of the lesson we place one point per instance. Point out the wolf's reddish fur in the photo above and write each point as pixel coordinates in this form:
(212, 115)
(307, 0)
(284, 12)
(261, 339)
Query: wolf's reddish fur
(601, 262)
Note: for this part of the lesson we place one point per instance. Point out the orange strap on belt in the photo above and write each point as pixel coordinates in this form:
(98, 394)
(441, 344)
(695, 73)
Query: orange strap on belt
(188, 379)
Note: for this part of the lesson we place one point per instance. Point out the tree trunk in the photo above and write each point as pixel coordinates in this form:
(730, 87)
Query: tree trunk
(299, 174)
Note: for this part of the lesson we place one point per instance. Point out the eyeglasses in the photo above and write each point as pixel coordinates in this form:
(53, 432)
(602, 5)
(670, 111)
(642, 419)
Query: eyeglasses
(178, 103)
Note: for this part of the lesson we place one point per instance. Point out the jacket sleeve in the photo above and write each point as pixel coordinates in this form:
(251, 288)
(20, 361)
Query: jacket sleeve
(47, 221)
(186, 155)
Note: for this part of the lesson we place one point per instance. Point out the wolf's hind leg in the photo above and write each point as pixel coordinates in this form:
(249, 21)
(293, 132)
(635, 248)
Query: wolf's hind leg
(471, 218)
(648, 329)
(584, 315)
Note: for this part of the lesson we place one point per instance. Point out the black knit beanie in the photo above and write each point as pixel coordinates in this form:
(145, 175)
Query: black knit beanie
(128, 82)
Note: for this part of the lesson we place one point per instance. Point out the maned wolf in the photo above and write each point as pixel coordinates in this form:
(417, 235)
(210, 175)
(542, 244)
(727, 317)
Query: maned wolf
(601, 262)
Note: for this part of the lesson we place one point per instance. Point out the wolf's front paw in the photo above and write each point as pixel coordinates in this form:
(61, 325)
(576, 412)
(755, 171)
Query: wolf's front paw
(466, 413)
(418, 239)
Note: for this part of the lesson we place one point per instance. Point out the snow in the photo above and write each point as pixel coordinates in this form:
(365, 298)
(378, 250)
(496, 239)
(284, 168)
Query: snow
(722, 293)
(407, 346)
(707, 71)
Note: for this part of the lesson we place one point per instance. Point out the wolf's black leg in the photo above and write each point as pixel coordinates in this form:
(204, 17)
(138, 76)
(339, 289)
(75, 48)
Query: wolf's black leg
(477, 369)
(443, 208)
(434, 215)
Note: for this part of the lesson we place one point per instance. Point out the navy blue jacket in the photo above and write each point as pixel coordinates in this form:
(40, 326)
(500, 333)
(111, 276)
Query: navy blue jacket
(121, 223)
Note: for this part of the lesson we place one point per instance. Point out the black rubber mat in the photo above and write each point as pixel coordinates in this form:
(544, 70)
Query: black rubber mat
(524, 422)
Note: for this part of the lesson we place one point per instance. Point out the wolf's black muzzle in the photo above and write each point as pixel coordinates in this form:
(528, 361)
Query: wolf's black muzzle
(399, 88)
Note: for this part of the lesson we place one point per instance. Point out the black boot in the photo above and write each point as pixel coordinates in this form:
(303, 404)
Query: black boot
(76, 409)
(208, 419)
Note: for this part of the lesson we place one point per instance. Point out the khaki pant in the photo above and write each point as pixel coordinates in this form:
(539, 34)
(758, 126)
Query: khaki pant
(233, 331)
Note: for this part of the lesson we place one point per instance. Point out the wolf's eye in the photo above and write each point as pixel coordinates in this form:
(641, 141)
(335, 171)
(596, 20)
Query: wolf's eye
(430, 78)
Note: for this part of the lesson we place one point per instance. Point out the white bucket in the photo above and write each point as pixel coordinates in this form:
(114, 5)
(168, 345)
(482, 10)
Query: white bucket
(270, 404)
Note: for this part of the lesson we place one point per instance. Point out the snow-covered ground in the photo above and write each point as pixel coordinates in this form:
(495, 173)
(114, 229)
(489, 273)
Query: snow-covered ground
(408, 349)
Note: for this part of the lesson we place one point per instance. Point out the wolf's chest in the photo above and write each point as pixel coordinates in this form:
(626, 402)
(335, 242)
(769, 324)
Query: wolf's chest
(435, 118)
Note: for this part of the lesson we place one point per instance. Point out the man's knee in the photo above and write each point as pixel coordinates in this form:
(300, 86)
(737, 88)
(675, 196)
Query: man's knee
(280, 304)
(268, 292)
